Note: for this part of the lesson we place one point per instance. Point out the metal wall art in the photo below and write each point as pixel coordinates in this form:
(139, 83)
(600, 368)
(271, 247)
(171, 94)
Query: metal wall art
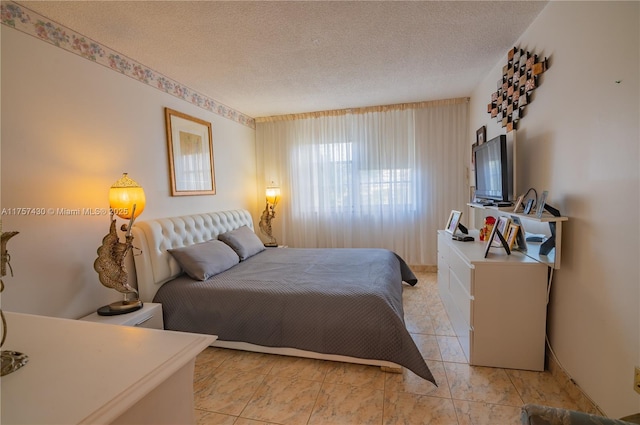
(519, 79)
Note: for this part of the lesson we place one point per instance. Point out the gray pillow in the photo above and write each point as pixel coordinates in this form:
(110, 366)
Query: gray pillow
(243, 241)
(204, 260)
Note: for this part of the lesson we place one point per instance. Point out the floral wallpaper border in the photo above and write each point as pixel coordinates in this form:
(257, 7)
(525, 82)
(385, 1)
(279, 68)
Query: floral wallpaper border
(29, 22)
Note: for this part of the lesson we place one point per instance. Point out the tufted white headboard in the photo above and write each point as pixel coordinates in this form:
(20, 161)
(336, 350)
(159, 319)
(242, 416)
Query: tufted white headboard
(154, 265)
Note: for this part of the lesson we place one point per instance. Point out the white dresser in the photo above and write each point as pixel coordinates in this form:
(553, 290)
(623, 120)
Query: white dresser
(80, 372)
(497, 305)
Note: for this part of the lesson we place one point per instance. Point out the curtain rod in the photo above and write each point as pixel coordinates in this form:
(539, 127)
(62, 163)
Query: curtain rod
(363, 110)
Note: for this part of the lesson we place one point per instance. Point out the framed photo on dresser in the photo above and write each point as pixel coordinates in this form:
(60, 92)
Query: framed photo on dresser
(452, 223)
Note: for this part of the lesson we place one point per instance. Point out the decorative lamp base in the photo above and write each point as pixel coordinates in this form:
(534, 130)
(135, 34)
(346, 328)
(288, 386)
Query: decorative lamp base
(12, 361)
(119, 307)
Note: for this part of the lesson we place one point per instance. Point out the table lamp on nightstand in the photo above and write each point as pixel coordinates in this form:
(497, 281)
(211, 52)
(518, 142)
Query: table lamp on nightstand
(126, 200)
(269, 213)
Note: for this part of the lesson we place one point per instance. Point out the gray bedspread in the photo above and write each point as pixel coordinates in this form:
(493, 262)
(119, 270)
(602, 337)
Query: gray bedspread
(332, 301)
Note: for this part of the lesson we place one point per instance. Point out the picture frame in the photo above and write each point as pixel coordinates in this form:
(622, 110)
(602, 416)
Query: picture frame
(481, 135)
(473, 156)
(518, 203)
(503, 225)
(521, 241)
(489, 241)
(512, 233)
(500, 242)
(452, 223)
(190, 148)
(540, 204)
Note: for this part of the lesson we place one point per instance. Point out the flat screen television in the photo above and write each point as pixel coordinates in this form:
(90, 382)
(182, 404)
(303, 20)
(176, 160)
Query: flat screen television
(494, 175)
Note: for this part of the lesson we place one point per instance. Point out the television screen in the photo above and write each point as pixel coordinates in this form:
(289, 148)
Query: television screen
(492, 170)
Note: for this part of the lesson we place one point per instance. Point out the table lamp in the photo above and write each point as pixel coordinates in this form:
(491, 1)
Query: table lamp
(127, 201)
(269, 213)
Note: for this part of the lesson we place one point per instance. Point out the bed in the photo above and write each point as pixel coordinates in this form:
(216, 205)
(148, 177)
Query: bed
(333, 304)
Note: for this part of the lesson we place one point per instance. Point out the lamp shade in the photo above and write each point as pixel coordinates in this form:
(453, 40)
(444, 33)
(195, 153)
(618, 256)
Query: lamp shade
(123, 195)
(273, 193)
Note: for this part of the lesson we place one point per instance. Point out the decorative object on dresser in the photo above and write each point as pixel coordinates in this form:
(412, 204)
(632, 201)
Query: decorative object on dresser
(496, 232)
(452, 223)
(126, 200)
(519, 79)
(540, 203)
(269, 213)
(190, 148)
(512, 234)
(503, 225)
(11, 360)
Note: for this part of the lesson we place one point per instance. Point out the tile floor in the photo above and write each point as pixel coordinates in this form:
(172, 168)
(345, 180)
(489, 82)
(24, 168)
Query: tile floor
(242, 388)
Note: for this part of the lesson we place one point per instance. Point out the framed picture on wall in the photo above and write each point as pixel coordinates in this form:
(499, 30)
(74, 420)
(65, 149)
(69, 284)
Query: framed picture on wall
(190, 149)
(473, 157)
(481, 135)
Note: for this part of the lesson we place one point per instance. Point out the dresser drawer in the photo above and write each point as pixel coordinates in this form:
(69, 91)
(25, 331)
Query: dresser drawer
(462, 271)
(149, 316)
(153, 320)
(461, 298)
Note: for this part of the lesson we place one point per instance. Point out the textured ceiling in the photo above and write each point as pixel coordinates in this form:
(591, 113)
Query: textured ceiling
(278, 57)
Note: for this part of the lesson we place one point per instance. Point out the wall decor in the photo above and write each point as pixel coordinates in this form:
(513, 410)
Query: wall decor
(481, 135)
(519, 79)
(190, 154)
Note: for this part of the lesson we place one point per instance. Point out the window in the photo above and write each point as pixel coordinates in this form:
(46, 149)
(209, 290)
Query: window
(341, 184)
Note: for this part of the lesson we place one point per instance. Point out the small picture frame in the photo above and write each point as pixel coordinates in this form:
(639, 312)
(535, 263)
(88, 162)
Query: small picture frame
(528, 206)
(540, 204)
(452, 223)
(481, 135)
(489, 243)
(520, 236)
(496, 240)
(512, 233)
(503, 225)
(473, 156)
(518, 203)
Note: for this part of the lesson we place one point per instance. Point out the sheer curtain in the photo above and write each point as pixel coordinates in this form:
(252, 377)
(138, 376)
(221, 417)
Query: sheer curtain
(381, 178)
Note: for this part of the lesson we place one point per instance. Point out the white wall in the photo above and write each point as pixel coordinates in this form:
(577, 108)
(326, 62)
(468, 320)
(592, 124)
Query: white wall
(579, 139)
(70, 128)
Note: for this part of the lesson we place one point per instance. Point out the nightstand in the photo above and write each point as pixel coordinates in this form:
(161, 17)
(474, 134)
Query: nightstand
(149, 316)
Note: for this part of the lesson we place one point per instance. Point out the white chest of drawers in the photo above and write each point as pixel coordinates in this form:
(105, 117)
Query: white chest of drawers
(497, 305)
